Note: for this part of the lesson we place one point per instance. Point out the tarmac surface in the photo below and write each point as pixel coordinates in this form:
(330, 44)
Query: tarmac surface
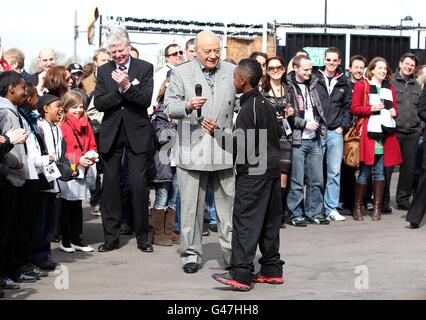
(364, 260)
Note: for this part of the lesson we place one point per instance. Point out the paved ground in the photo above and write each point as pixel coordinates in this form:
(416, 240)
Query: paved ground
(321, 262)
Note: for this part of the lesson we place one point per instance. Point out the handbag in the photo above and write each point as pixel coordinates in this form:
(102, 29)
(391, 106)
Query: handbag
(351, 145)
(352, 138)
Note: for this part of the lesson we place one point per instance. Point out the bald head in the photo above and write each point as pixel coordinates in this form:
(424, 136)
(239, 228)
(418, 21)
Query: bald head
(46, 59)
(207, 45)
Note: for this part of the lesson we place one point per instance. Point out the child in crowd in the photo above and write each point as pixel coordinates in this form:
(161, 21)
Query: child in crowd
(12, 174)
(81, 151)
(257, 207)
(49, 108)
(37, 158)
(164, 211)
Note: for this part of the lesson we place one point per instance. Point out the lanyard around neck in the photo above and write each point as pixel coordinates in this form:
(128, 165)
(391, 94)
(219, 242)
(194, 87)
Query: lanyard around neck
(280, 101)
(53, 137)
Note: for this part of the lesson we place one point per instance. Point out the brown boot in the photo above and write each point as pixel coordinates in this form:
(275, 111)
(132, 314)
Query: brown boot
(359, 197)
(378, 188)
(158, 218)
(170, 221)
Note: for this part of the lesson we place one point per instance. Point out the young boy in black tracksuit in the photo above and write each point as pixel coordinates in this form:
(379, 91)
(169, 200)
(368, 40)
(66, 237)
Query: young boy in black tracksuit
(257, 206)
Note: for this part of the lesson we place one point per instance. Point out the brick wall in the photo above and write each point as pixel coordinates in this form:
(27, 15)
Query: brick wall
(238, 49)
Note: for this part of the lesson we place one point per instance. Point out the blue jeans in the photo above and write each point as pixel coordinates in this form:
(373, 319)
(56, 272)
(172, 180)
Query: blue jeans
(306, 161)
(177, 220)
(166, 193)
(210, 204)
(332, 149)
(377, 170)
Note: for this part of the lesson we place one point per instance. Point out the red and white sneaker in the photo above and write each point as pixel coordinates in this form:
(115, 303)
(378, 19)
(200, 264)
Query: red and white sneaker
(227, 279)
(266, 279)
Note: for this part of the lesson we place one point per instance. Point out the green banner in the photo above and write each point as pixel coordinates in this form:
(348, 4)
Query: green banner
(316, 55)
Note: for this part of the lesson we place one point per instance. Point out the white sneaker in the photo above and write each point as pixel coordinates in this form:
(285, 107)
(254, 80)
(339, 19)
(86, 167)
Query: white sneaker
(81, 247)
(67, 249)
(95, 211)
(334, 215)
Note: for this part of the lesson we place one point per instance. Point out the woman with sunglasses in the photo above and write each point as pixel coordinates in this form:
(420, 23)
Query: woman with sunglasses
(280, 95)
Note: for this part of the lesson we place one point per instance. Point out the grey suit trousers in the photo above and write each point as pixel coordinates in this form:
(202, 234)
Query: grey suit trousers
(192, 189)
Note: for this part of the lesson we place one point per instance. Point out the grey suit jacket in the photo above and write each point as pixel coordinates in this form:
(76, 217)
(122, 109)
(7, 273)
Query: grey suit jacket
(193, 148)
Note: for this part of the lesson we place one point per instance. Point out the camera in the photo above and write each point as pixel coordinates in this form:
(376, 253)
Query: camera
(279, 107)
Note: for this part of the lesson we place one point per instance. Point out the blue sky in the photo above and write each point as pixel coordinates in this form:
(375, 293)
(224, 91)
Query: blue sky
(32, 25)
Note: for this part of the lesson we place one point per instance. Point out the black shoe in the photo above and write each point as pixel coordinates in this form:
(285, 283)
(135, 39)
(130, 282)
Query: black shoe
(213, 227)
(227, 279)
(318, 220)
(8, 284)
(28, 270)
(25, 278)
(191, 267)
(125, 229)
(386, 208)
(146, 247)
(414, 225)
(403, 206)
(38, 271)
(105, 247)
(298, 222)
(49, 266)
(206, 233)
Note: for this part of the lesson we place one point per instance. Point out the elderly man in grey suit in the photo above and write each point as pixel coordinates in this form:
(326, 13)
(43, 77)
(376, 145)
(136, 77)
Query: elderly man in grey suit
(197, 154)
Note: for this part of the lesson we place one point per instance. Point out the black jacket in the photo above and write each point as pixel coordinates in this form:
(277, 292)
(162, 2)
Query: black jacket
(128, 109)
(336, 99)
(407, 99)
(422, 111)
(256, 117)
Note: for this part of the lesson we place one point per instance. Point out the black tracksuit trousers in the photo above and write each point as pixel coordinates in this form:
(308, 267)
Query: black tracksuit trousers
(256, 221)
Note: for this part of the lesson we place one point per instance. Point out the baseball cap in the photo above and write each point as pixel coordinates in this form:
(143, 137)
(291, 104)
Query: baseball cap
(45, 100)
(75, 68)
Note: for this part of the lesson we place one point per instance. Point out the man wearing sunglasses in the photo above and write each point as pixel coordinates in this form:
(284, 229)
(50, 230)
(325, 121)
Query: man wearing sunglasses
(174, 57)
(335, 94)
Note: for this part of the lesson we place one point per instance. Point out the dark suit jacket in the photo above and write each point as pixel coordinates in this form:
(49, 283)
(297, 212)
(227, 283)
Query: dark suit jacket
(32, 78)
(130, 107)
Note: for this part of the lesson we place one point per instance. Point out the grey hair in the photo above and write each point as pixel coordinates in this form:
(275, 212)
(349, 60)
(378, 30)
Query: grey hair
(118, 35)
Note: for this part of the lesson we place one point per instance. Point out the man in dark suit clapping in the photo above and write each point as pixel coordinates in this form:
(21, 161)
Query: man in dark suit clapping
(123, 92)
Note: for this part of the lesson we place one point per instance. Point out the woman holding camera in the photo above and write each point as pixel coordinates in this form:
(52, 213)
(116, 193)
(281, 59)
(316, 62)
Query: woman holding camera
(280, 95)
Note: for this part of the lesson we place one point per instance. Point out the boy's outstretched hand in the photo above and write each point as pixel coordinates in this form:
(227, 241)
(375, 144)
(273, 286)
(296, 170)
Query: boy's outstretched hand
(209, 126)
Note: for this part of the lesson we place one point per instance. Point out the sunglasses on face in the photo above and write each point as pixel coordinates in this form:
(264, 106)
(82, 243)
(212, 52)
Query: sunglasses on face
(275, 68)
(175, 54)
(332, 60)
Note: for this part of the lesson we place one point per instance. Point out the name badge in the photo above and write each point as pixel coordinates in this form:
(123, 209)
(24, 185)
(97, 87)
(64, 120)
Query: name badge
(51, 172)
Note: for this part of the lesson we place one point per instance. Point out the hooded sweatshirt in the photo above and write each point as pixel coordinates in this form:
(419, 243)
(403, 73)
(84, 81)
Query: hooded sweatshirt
(9, 119)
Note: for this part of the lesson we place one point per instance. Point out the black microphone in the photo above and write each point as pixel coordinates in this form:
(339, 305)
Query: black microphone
(198, 92)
